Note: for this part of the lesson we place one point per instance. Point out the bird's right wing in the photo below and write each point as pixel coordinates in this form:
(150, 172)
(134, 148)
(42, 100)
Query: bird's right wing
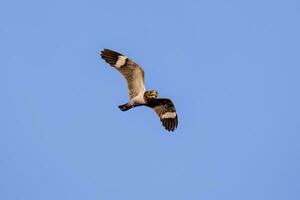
(166, 112)
(132, 72)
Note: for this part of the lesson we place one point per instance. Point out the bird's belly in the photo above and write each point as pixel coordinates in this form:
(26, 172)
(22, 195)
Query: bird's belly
(137, 100)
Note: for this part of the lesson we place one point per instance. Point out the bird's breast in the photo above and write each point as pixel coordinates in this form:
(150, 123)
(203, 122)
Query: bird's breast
(138, 100)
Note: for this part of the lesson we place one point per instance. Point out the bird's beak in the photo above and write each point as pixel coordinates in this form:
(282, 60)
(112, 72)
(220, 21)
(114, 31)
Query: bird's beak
(154, 94)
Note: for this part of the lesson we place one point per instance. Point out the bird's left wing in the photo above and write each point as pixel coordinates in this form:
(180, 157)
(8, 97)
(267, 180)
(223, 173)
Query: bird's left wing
(132, 72)
(166, 112)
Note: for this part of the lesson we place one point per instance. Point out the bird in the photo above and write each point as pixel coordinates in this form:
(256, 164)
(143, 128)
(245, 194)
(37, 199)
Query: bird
(138, 95)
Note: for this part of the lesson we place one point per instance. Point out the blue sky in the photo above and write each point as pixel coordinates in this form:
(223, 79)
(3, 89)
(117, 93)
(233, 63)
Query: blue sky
(231, 68)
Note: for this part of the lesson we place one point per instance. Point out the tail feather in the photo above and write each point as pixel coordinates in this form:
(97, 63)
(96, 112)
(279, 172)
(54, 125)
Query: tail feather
(125, 107)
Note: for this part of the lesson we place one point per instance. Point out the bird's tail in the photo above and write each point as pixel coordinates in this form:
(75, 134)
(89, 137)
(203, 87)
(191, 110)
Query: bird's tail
(125, 107)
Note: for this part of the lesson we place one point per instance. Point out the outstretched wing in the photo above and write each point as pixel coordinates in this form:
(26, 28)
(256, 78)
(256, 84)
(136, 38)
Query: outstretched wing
(166, 111)
(132, 72)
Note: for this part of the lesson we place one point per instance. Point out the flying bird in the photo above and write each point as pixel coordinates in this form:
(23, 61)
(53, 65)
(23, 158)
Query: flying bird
(138, 95)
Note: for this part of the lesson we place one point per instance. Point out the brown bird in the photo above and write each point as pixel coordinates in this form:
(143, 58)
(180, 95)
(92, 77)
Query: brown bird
(138, 95)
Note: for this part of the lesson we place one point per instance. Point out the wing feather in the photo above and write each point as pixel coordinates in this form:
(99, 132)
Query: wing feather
(132, 72)
(166, 112)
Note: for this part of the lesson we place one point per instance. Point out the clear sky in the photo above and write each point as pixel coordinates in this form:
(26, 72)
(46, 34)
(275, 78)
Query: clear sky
(231, 67)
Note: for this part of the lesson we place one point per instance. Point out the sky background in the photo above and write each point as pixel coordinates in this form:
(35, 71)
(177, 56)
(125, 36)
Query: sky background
(231, 67)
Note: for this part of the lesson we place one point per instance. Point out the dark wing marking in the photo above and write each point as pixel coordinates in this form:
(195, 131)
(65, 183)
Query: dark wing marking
(132, 72)
(166, 111)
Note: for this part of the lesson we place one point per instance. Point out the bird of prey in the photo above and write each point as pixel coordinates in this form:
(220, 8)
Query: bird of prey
(138, 94)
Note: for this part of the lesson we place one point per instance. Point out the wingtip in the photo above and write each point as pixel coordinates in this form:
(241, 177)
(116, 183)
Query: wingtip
(170, 124)
(104, 50)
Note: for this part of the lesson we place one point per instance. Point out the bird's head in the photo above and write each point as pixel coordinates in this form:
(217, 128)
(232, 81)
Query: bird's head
(151, 94)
